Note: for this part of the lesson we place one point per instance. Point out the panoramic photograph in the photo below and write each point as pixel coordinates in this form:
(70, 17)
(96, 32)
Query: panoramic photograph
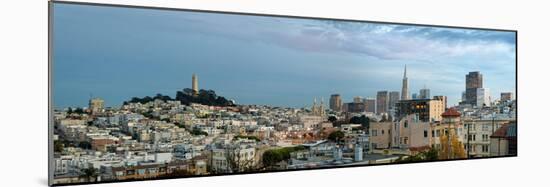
(143, 93)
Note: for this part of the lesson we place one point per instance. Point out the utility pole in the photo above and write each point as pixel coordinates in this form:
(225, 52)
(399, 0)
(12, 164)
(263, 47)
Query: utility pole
(468, 140)
(449, 147)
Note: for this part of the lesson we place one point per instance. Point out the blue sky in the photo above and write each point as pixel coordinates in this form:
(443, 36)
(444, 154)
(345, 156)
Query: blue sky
(118, 53)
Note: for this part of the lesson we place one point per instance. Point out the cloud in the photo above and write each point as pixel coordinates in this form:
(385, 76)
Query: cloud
(381, 41)
(390, 42)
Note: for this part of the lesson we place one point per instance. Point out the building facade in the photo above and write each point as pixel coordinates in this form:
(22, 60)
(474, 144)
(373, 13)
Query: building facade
(483, 97)
(382, 102)
(506, 96)
(371, 105)
(96, 105)
(424, 93)
(474, 80)
(335, 102)
(427, 109)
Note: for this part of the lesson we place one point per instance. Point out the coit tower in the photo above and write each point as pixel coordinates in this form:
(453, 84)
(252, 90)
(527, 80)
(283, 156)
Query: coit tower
(195, 84)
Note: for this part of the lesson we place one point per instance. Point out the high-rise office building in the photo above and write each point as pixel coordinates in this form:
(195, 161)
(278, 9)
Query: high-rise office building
(414, 96)
(371, 105)
(335, 102)
(424, 93)
(405, 88)
(474, 80)
(195, 84)
(506, 96)
(394, 97)
(382, 102)
(483, 97)
(357, 99)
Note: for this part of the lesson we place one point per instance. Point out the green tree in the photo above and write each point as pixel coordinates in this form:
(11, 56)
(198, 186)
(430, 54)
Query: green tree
(363, 120)
(332, 119)
(85, 145)
(79, 110)
(271, 157)
(58, 146)
(90, 174)
(431, 154)
(336, 136)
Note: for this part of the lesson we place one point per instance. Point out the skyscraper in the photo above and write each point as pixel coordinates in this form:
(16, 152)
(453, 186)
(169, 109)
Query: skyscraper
(506, 96)
(483, 97)
(394, 97)
(371, 105)
(382, 102)
(424, 93)
(474, 80)
(357, 99)
(195, 84)
(405, 88)
(335, 102)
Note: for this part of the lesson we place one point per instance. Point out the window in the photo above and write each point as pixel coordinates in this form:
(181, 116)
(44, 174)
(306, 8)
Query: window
(141, 171)
(374, 132)
(433, 133)
(406, 124)
(485, 127)
(485, 148)
(485, 137)
(382, 131)
(472, 137)
(425, 133)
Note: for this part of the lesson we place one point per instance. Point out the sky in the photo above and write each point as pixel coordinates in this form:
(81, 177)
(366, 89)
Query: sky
(117, 53)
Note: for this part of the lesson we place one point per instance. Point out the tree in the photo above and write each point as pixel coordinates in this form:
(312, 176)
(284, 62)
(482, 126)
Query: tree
(363, 120)
(429, 155)
(85, 145)
(70, 110)
(271, 157)
(58, 146)
(197, 131)
(336, 136)
(451, 148)
(79, 111)
(90, 174)
(247, 137)
(177, 173)
(332, 119)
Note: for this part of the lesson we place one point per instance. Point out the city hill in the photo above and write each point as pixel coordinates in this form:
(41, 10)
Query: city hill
(186, 97)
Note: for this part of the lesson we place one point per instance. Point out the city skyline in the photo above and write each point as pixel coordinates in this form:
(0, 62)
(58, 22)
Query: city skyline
(256, 64)
(249, 94)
